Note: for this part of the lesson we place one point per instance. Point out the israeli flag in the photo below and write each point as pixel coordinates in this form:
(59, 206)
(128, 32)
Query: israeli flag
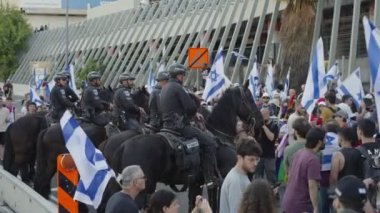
(72, 82)
(34, 97)
(269, 80)
(353, 86)
(92, 166)
(331, 146)
(151, 81)
(314, 82)
(254, 81)
(238, 55)
(48, 88)
(216, 80)
(372, 38)
(331, 75)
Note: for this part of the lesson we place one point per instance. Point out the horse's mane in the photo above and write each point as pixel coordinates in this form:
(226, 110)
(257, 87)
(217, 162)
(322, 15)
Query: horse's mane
(223, 117)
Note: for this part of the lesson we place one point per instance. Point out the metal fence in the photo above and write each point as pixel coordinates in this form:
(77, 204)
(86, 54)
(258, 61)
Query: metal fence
(142, 38)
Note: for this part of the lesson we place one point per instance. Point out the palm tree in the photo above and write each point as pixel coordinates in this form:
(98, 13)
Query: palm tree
(296, 35)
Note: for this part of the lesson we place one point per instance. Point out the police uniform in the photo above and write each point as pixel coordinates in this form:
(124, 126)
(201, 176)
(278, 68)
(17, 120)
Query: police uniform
(177, 108)
(59, 101)
(154, 102)
(92, 103)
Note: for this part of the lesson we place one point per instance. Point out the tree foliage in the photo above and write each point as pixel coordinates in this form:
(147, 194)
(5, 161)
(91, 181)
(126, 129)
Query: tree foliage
(91, 65)
(14, 32)
(296, 36)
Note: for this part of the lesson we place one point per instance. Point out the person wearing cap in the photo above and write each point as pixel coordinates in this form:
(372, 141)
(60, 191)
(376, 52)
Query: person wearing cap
(351, 195)
(58, 97)
(133, 181)
(341, 117)
(177, 108)
(265, 98)
(71, 95)
(93, 105)
(154, 101)
(125, 107)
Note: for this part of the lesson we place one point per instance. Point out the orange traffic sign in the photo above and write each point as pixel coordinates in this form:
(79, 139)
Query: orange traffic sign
(198, 58)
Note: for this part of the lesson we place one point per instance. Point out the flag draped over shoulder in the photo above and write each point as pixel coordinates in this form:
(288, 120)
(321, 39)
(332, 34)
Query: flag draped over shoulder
(254, 80)
(372, 38)
(353, 86)
(216, 81)
(314, 82)
(92, 166)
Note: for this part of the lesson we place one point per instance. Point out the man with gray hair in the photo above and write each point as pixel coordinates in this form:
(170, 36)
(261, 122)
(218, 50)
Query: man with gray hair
(132, 183)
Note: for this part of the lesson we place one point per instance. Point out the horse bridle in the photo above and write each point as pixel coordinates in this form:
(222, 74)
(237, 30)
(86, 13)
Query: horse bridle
(251, 118)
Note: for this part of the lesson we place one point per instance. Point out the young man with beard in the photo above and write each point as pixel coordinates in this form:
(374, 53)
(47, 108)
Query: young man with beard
(236, 181)
(300, 112)
(301, 193)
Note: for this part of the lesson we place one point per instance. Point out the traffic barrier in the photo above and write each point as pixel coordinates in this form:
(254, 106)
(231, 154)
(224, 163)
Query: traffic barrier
(67, 177)
(20, 197)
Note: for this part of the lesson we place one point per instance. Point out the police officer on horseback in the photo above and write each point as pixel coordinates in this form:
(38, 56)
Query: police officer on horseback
(93, 105)
(125, 108)
(70, 94)
(154, 101)
(59, 97)
(177, 108)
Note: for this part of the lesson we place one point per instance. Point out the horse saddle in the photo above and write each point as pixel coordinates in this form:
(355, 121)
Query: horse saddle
(186, 151)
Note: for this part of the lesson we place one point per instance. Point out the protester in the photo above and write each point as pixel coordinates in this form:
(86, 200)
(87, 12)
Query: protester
(236, 181)
(133, 182)
(341, 117)
(163, 201)
(300, 112)
(328, 110)
(201, 205)
(348, 160)
(258, 198)
(31, 108)
(301, 128)
(4, 120)
(351, 195)
(301, 194)
(267, 139)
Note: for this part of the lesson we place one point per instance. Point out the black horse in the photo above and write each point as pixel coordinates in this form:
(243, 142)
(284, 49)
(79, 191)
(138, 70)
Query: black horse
(155, 156)
(20, 144)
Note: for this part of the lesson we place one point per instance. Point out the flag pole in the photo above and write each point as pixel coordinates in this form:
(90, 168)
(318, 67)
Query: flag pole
(67, 36)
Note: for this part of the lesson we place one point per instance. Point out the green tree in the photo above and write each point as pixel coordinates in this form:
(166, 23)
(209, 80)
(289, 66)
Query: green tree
(91, 65)
(14, 32)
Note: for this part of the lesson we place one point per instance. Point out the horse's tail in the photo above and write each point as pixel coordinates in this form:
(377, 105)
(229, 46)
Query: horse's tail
(9, 153)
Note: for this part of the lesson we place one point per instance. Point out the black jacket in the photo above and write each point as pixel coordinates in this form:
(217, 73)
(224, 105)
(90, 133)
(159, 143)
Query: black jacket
(154, 104)
(71, 95)
(59, 101)
(176, 105)
(123, 102)
(91, 99)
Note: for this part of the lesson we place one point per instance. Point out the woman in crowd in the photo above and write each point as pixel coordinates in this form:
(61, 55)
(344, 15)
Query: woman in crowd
(258, 198)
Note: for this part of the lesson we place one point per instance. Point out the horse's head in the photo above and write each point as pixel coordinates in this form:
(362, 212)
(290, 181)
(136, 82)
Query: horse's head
(247, 110)
(106, 94)
(141, 98)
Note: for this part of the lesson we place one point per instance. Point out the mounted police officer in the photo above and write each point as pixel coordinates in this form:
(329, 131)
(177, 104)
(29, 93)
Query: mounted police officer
(70, 94)
(93, 105)
(125, 107)
(154, 101)
(177, 108)
(59, 97)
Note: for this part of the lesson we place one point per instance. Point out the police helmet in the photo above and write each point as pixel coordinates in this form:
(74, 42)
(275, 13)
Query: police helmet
(162, 76)
(93, 75)
(126, 76)
(58, 76)
(66, 74)
(176, 69)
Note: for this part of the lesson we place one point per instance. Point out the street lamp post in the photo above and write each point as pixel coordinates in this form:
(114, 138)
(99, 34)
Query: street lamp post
(67, 36)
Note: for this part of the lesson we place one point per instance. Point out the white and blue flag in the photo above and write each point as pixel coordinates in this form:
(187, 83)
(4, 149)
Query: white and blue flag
(48, 88)
(331, 146)
(353, 86)
(92, 166)
(239, 56)
(216, 81)
(314, 82)
(34, 97)
(372, 38)
(286, 83)
(254, 81)
(151, 81)
(331, 75)
(269, 80)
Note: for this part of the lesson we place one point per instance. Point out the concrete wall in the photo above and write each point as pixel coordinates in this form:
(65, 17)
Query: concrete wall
(52, 21)
(112, 7)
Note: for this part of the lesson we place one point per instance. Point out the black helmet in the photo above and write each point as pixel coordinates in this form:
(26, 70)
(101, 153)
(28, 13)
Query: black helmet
(176, 69)
(66, 74)
(162, 76)
(58, 76)
(93, 75)
(126, 76)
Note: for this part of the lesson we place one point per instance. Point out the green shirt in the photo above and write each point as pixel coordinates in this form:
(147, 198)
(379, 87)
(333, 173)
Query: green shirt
(291, 150)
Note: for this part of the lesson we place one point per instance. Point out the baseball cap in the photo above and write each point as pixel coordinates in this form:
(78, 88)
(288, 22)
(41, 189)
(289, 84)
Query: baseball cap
(342, 114)
(351, 189)
(265, 95)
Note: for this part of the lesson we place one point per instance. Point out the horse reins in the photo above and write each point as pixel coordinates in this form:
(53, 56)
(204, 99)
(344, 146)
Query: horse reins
(251, 118)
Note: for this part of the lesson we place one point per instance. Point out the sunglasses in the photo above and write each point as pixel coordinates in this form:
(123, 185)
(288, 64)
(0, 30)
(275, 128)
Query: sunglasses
(265, 97)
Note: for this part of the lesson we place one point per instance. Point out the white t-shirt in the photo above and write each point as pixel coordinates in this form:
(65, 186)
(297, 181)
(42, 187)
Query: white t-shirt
(233, 188)
(293, 117)
(4, 114)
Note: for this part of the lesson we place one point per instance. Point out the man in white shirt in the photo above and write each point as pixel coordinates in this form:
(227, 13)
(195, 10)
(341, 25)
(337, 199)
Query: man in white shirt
(300, 112)
(4, 119)
(236, 181)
